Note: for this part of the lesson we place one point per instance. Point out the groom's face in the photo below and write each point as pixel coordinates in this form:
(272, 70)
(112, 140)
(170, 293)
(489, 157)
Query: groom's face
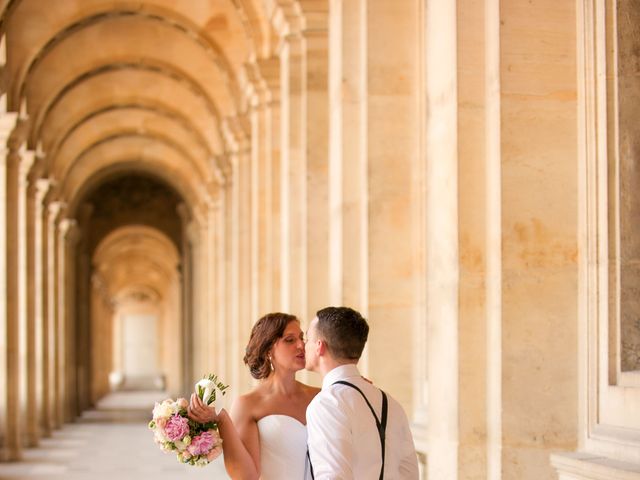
(310, 346)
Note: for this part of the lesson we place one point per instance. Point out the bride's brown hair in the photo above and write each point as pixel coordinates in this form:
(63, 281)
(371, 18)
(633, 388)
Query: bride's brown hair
(264, 334)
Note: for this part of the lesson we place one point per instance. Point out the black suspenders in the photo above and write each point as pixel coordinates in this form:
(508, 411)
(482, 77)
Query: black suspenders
(381, 423)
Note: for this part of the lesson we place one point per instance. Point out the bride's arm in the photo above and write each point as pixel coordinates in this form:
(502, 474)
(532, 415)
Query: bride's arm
(240, 438)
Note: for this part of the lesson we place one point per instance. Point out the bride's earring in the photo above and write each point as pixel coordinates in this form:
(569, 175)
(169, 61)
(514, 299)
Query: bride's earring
(271, 364)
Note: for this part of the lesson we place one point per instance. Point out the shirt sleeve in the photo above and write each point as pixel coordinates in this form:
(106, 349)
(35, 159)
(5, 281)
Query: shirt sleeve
(329, 439)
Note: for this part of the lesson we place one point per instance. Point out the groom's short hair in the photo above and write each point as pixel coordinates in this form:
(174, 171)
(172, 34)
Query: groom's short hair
(344, 331)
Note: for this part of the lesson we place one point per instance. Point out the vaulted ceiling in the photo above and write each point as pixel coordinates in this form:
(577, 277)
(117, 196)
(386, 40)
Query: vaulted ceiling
(107, 85)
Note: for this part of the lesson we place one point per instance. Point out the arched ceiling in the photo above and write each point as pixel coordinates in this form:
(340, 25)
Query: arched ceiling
(136, 259)
(145, 84)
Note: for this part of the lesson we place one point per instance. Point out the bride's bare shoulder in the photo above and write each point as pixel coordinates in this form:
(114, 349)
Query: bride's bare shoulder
(248, 404)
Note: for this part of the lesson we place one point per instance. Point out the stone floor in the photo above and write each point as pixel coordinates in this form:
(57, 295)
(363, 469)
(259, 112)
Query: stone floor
(111, 442)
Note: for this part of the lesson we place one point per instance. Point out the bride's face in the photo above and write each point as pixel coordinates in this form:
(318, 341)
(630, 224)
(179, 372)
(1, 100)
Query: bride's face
(288, 351)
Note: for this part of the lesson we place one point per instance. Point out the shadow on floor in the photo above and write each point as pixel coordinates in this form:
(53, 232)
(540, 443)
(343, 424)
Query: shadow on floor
(110, 441)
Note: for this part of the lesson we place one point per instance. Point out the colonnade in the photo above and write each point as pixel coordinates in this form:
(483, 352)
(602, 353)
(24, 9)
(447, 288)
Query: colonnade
(427, 163)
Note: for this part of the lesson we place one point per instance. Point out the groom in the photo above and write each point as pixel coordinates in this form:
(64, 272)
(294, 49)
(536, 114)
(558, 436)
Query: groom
(355, 431)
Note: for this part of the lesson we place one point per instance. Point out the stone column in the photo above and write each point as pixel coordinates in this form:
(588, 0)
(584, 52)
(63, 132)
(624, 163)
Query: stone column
(211, 295)
(85, 354)
(68, 247)
(41, 187)
(186, 300)
(196, 231)
(228, 252)
(292, 163)
(236, 132)
(539, 236)
(63, 346)
(315, 147)
(392, 146)
(270, 73)
(29, 341)
(348, 154)
(262, 77)
(55, 389)
(442, 239)
(9, 436)
(217, 296)
(15, 329)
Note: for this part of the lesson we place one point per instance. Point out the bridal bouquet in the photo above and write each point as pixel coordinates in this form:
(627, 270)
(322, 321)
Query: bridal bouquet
(194, 443)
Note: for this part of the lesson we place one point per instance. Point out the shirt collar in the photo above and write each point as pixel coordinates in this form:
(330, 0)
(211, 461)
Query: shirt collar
(340, 373)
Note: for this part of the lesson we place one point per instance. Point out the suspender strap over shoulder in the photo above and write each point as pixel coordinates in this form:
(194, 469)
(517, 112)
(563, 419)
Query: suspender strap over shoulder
(381, 423)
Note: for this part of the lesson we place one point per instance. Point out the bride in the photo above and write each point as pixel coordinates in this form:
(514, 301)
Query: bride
(265, 435)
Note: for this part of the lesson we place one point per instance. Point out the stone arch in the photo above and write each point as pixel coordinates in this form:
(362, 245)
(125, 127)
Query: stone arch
(128, 64)
(88, 19)
(139, 270)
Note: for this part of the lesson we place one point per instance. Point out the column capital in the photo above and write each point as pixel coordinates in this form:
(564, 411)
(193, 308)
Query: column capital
(223, 170)
(42, 188)
(27, 162)
(7, 124)
(55, 209)
(270, 72)
(314, 15)
(18, 136)
(285, 17)
(183, 213)
(236, 132)
(69, 230)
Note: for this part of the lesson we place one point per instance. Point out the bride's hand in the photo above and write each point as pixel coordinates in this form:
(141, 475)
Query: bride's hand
(200, 412)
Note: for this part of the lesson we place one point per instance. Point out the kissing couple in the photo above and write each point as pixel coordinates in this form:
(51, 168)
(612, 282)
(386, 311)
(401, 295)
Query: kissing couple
(286, 430)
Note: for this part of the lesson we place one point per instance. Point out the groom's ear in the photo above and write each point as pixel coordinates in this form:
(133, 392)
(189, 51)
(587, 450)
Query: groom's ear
(321, 347)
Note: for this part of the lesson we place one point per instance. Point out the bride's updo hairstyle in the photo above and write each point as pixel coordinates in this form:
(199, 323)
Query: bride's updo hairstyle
(264, 335)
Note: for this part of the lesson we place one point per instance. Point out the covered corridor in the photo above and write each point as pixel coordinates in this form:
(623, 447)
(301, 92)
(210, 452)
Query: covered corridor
(463, 172)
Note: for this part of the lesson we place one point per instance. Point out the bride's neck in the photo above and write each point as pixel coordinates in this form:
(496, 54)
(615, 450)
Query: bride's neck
(283, 383)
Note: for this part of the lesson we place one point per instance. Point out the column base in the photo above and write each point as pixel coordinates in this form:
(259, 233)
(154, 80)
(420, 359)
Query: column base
(586, 466)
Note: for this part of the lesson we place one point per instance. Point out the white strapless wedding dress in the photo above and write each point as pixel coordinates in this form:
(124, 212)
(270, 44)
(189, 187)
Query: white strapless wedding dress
(283, 448)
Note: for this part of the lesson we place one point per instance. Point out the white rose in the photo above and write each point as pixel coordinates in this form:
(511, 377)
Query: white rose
(162, 410)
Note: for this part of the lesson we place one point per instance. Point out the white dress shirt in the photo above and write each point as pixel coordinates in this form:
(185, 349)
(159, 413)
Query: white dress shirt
(343, 437)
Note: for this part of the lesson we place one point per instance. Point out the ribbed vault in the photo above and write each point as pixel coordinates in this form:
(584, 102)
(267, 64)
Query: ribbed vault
(108, 86)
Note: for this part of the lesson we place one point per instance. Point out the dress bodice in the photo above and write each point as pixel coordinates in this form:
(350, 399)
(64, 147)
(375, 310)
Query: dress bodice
(283, 448)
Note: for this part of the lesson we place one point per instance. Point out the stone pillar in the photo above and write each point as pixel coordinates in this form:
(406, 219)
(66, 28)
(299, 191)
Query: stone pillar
(239, 236)
(292, 163)
(41, 187)
(442, 239)
(26, 213)
(69, 236)
(260, 98)
(219, 272)
(270, 73)
(539, 236)
(197, 232)
(228, 252)
(9, 389)
(15, 329)
(211, 295)
(103, 325)
(186, 301)
(85, 354)
(391, 149)
(55, 389)
(348, 155)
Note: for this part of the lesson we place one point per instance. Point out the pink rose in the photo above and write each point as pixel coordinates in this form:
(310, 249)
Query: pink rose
(177, 427)
(202, 443)
(182, 403)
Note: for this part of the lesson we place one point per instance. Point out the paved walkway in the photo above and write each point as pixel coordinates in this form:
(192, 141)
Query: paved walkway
(111, 442)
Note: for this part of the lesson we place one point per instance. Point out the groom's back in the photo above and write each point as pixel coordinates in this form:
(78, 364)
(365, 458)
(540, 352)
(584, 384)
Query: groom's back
(344, 437)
